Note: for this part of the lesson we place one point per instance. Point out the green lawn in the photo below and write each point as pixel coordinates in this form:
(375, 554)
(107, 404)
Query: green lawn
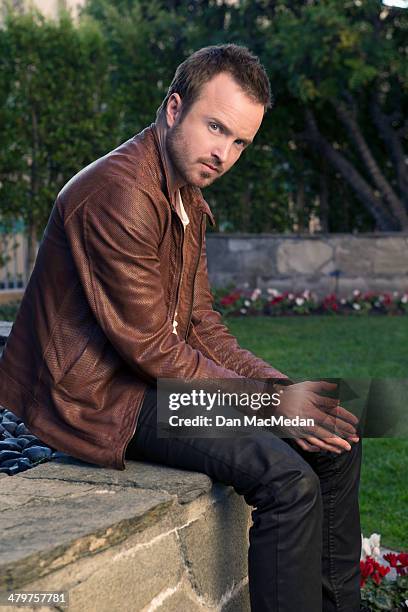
(351, 347)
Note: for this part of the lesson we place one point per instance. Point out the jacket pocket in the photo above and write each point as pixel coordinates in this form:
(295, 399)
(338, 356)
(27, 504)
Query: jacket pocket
(75, 372)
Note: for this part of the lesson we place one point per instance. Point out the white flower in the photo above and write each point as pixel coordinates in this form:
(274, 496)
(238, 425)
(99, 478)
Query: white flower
(356, 306)
(370, 547)
(243, 310)
(290, 296)
(395, 293)
(343, 301)
(247, 303)
(377, 304)
(255, 294)
(365, 547)
(272, 292)
(404, 298)
(375, 544)
(356, 292)
(299, 301)
(381, 298)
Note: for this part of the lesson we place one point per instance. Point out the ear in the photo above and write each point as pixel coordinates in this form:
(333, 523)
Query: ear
(173, 109)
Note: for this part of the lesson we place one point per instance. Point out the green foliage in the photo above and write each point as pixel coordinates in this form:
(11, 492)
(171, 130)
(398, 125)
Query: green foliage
(386, 596)
(57, 110)
(70, 93)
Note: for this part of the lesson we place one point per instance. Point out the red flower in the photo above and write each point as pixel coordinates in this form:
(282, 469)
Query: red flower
(403, 559)
(392, 559)
(330, 302)
(380, 572)
(372, 568)
(229, 299)
(277, 299)
(399, 562)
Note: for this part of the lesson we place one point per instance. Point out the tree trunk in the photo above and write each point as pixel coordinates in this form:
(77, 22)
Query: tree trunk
(359, 185)
(378, 177)
(394, 147)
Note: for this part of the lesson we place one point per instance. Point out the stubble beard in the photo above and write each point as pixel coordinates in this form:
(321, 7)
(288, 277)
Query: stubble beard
(176, 148)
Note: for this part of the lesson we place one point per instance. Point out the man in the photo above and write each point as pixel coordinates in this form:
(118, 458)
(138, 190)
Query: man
(119, 298)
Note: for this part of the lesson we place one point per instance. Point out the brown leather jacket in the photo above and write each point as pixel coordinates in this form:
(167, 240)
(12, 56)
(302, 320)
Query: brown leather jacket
(95, 324)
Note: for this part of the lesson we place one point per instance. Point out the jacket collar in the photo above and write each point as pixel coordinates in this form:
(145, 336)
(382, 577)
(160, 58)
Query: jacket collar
(188, 192)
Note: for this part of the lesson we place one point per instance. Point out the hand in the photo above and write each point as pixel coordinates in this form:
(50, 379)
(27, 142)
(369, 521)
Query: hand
(303, 400)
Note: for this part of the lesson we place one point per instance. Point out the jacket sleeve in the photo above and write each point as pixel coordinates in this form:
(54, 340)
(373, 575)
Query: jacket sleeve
(114, 239)
(211, 337)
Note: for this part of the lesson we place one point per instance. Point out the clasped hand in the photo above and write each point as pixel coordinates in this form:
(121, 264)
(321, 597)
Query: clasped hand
(305, 401)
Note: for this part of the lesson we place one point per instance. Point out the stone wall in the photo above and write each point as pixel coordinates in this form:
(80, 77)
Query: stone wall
(322, 263)
(146, 539)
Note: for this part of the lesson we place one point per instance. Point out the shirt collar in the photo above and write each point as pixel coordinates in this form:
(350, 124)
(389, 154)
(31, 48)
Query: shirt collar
(189, 193)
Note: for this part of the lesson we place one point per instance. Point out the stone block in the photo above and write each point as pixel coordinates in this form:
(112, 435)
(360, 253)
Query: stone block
(240, 245)
(391, 257)
(354, 256)
(56, 527)
(303, 256)
(239, 602)
(223, 561)
(128, 583)
(184, 484)
(183, 599)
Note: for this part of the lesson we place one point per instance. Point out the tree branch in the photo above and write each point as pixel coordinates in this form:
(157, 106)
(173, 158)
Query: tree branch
(378, 177)
(393, 144)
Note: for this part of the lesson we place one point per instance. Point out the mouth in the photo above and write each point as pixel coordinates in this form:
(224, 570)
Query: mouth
(210, 167)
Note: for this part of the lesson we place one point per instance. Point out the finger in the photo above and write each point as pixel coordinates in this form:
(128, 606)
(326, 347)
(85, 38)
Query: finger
(323, 445)
(307, 446)
(337, 426)
(322, 385)
(340, 419)
(330, 438)
(344, 414)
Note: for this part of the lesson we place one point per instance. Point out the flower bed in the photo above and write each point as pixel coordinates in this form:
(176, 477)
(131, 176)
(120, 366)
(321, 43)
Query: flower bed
(233, 301)
(378, 591)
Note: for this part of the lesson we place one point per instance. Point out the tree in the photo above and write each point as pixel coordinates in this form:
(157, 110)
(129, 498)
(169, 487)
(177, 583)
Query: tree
(57, 112)
(344, 66)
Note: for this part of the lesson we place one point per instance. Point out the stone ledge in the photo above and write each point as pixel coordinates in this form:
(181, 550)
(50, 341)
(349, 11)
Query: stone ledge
(124, 540)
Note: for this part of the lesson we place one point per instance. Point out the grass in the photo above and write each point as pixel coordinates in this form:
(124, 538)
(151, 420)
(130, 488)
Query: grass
(349, 347)
(309, 347)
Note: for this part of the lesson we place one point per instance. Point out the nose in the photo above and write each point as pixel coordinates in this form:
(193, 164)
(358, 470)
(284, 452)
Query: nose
(222, 150)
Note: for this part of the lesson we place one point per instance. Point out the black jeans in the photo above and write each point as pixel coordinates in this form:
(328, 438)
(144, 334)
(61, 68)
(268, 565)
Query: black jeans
(305, 539)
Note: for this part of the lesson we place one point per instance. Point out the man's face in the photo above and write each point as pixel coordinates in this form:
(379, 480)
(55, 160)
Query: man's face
(219, 125)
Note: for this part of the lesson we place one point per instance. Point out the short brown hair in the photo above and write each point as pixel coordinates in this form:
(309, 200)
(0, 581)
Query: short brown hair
(202, 65)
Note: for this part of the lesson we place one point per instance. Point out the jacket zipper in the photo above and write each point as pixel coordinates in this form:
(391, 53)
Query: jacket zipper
(172, 318)
(195, 273)
(133, 431)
